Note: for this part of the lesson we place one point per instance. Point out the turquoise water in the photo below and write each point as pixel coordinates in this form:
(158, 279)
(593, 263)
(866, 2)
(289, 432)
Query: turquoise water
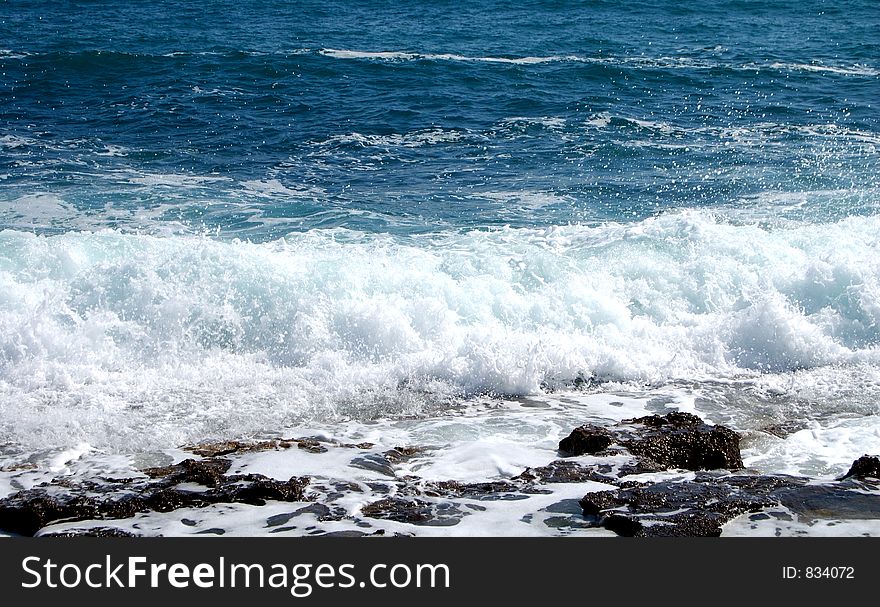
(246, 213)
(257, 119)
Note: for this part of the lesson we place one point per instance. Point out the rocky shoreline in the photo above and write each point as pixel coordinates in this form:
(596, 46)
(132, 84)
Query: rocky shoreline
(657, 475)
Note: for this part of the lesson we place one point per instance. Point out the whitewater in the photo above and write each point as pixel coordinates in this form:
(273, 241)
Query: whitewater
(171, 340)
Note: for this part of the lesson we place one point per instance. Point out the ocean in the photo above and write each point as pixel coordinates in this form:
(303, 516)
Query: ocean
(469, 225)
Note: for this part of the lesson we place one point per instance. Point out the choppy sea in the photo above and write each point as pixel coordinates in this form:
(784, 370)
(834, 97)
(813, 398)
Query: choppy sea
(469, 225)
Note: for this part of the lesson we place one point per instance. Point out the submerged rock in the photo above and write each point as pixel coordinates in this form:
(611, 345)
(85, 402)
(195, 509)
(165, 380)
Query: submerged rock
(311, 445)
(561, 471)
(231, 447)
(415, 511)
(675, 440)
(401, 454)
(494, 490)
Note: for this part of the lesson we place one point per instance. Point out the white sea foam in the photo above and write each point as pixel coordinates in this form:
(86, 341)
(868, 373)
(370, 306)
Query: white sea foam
(600, 120)
(38, 210)
(175, 180)
(133, 340)
(6, 53)
(848, 70)
(525, 199)
(550, 122)
(11, 142)
(664, 62)
(274, 188)
(412, 139)
(406, 56)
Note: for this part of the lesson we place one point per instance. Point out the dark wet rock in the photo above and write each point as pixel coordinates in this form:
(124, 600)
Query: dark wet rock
(682, 440)
(496, 490)
(583, 382)
(783, 429)
(28, 511)
(864, 467)
(383, 488)
(566, 523)
(256, 490)
(347, 533)
(374, 462)
(348, 486)
(363, 445)
(283, 529)
(415, 511)
(232, 447)
(640, 465)
(568, 515)
(675, 440)
(561, 471)
(400, 454)
(312, 446)
(671, 508)
(320, 511)
(208, 472)
(566, 506)
(334, 490)
(700, 507)
(831, 501)
(587, 439)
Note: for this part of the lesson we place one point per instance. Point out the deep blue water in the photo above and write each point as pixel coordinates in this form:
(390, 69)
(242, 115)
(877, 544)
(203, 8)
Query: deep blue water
(218, 217)
(261, 118)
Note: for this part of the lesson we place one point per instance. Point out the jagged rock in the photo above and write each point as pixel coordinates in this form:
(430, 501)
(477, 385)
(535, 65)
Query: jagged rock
(640, 465)
(415, 511)
(675, 440)
(677, 508)
(364, 445)
(700, 507)
(312, 446)
(587, 439)
(682, 440)
(865, 466)
(232, 447)
(28, 511)
(203, 472)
